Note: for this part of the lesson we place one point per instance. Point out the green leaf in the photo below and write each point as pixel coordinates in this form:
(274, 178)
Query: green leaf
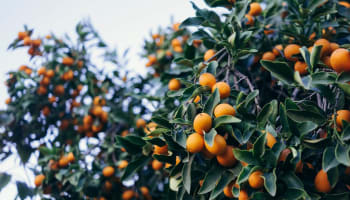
(210, 179)
(186, 174)
(134, 166)
(211, 103)
(270, 182)
(184, 61)
(192, 21)
(329, 160)
(306, 55)
(315, 56)
(264, 114)
(225, 119)
(161, 121)
(342, 153)
(259, 146)
(212, 66)
(323, 78)
(280, 70)
(246, 156)
(226, 178)
(155, 141)
(4, 180)
(292, 181)
(23, 190)
(244, 174)
(209, 137)
(302, 116)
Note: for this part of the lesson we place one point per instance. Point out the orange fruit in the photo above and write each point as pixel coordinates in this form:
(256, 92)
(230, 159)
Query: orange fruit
(277, 49)
(255, 9)
(202, 122)
(63, 161)
(36, 43)
(227, 159)
(250, 20)
(327, 61)
(144, 190)
(39, 179)
(176, 26)
(22, 35)
(174, 84)
(284, 154)
(224, 109)
(27, 41)
(270, 140)
(322, 183)
(128, 194)
(299, 167)
(344, 3)
(334, 46)
(160, 150)
(140, 123)
(45, 81)
(53, 165)
(195, 143)
(71, 157)
(41, 90)
(228, 190)
(326, 46)
(340, 60)
(218, 147)
(207, 79)
(300, 67)
(197, 43)
(28, 71)
(108, 185)
(255, 180)
(175, 42)
(46, 111)
(207, 154)
(123, 164)
(157, 165)
(197, 99)
(8, 101)
(209, 54)
(59, 90)
(268, 56)
(41, 71)
(108, 171)
(50, 73)
(97, 110)
(342, 115)
(290, 51)
(243, 195)
(178, 49)
(67, 61)
(87, 119)
(224, 89)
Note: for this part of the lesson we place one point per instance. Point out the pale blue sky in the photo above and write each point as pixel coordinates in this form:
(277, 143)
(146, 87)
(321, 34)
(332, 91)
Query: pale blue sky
(121, 23)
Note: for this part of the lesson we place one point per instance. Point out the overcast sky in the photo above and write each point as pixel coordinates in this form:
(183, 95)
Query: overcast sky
(121, 23)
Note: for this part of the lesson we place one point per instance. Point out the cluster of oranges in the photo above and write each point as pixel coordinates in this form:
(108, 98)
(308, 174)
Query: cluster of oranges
(254, 10)
(34, 44)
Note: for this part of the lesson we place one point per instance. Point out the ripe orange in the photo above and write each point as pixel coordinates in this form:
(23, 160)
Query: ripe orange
(39, 180)
(22, 35)
(36, 43)
(144, 190)
(209, 54)
(322, 183)
(227, 159)
(67, 61)
(255, 9)
(224, 109)
(178, 49)
(128, 194)
(334, 46)
(268, 56)
(299, 167)
(140, 123)
(97, 110)
(46, 111)
(123, 164)
(174, 84)
(207, 79)
(202, 122)
(41, 71)
(175, 42)
(327, 61)
(342, 115)
(340, 60)
(157, 165)
(45, 81)
(228, 190)
(197, 43)
(59, 90)
(27, 41)
(290, 51)
(224, 89)
(195, 143)
(250, 20)
(50, 73)
(300, 67)
(176, 26)
(255, 180)
(108, 171)
(41, 90)
(270, 140)
(326, 46)
(108, 185)
(63, 161)
(160, 150)
(8, 101)
(277, 49)
(344, 3)
(243, 195)
(218, 147)
(197, 99)
(71, 157)
(206, 154)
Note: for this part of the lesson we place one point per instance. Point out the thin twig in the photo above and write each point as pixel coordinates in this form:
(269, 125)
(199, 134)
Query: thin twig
(251, 88)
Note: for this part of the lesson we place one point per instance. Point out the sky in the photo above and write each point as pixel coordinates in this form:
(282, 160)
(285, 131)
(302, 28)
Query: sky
(121, 23)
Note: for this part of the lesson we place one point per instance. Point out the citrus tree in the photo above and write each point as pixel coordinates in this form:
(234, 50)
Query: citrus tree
(248, 103)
